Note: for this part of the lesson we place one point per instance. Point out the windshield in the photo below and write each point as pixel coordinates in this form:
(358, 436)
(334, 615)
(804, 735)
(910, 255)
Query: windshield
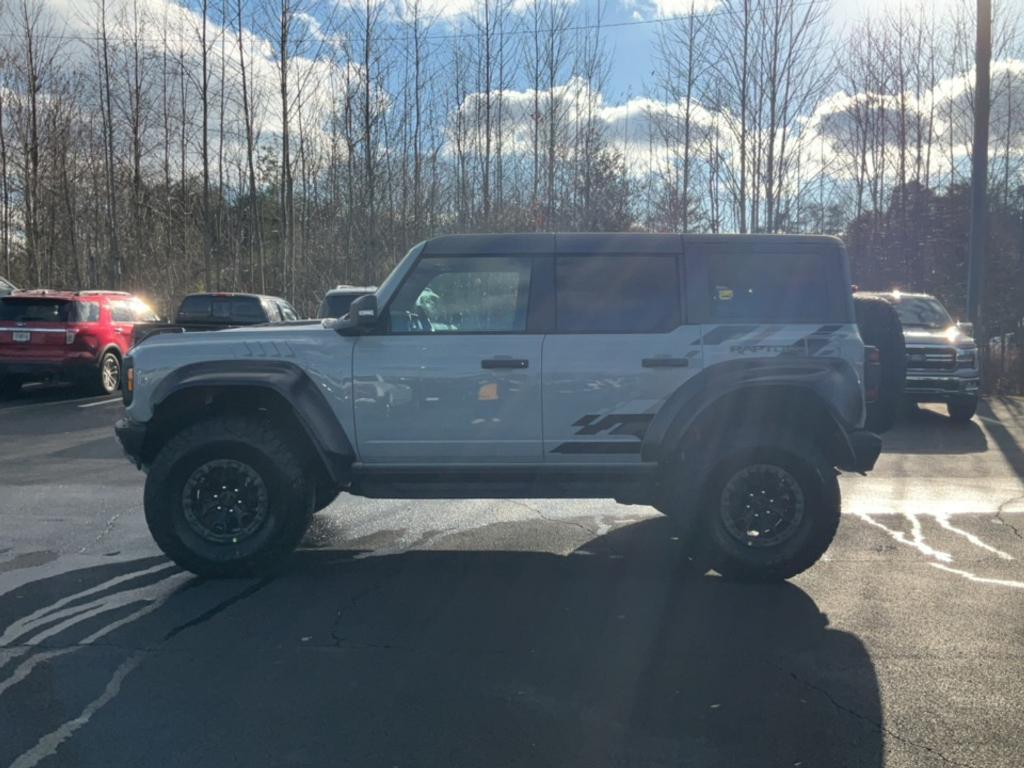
(922, 312)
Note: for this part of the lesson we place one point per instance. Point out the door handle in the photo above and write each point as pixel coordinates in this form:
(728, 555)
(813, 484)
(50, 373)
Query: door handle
(665, 362)
(504, 362)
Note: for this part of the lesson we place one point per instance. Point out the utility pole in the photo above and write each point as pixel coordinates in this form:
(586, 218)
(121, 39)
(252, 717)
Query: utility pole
(979, 169)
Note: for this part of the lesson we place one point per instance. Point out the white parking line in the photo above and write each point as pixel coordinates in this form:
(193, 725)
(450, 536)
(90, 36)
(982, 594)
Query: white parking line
(101, 402)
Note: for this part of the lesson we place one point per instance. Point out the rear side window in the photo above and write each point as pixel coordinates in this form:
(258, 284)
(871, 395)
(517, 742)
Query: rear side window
(751, 287)
(35, 310)
(195, 308)
(247, 310)
(87, 312)
(616, 294)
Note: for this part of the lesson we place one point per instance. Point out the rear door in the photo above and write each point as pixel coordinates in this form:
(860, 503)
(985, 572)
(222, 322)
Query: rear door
(621, 345)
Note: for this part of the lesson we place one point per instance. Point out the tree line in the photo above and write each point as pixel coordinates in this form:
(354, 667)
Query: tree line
(284, 146)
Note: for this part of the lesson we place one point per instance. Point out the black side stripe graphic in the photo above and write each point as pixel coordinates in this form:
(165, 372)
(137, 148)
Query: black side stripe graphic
(604, 447)
(625, 424)
(725, 332)
(633, 424)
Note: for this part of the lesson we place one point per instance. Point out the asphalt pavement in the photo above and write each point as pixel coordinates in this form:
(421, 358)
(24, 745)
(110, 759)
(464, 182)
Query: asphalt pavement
(501, 633)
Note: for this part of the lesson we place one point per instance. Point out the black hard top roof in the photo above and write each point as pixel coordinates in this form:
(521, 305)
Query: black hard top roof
(608, 242)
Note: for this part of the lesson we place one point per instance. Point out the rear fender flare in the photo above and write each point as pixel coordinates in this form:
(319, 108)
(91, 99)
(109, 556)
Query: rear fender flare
(827, 388)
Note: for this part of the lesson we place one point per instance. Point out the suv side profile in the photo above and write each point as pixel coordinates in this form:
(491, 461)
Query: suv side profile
(78, 336)
(717, 378)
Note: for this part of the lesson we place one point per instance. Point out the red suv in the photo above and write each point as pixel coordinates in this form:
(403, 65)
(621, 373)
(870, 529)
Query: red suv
(81, 337)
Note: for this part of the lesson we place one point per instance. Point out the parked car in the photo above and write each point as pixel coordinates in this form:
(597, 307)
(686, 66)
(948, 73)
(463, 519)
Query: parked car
(6, 288)
(885, 373)
(217, 311)
(942, 357)
(337, 300)
(718, 378)
(78, 336)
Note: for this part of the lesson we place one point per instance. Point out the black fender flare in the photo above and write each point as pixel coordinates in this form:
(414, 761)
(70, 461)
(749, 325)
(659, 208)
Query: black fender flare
(286, 379)
(829, 385)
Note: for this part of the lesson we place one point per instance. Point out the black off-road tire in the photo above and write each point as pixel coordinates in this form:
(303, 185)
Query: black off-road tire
(962, 408)
(880, 327)
(254, 443)
(809, 538)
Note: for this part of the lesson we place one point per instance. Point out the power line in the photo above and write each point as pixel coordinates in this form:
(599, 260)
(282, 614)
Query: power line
(460, 35)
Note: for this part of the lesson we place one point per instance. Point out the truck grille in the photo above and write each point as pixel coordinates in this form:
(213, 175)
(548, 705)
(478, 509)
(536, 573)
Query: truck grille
(931, 359)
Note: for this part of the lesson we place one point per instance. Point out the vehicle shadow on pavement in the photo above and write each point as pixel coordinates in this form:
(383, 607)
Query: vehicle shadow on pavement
(614, 655)
(1008, 445)
(923, 430)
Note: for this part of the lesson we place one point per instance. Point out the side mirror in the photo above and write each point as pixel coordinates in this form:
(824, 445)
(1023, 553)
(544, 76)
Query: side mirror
(362, 314)
(967, 329)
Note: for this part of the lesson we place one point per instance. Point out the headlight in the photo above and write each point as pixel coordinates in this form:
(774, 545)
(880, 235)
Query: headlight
(966, 358)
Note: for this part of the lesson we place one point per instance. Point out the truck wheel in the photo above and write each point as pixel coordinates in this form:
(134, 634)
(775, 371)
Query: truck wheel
(768, 513)
(962, 409)
(880, 327)
(228, 497)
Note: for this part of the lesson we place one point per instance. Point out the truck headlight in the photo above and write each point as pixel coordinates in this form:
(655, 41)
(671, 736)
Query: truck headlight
(966, 358)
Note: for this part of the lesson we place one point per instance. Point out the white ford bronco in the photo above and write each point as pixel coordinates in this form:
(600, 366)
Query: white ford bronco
(718, 378)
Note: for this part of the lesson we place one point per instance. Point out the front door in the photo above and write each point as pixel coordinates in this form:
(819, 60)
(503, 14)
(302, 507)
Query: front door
(620, 349)
(454, 375)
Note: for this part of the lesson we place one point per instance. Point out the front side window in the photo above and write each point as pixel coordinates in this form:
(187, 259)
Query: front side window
(121, 312)
(463, 294)
(751, 287)
(288, 313)
(616, 294)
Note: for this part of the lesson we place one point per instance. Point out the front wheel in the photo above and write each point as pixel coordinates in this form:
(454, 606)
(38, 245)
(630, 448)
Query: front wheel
(962, 409)
(769, 513)
(228, 497)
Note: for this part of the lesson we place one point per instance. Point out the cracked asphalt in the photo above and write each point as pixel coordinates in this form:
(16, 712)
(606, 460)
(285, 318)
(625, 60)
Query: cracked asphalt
(508, 633)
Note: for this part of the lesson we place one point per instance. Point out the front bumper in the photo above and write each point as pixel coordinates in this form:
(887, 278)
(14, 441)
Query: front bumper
(132, 435)
(863, 449)
(923, 387)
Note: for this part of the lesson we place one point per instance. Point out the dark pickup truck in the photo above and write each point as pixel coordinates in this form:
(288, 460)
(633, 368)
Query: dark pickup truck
(216, 311)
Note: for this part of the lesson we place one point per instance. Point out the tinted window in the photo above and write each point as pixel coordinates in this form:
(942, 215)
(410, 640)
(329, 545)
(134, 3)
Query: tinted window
(35, 310)
(87, 312)
(121, 312)
(195, 308)
(616, 294)
(465, 294)
(779, 287)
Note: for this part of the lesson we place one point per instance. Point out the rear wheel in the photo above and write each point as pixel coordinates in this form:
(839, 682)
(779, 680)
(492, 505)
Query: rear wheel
(768, 513)
(962, 409)
(228, 497)
(108, 378)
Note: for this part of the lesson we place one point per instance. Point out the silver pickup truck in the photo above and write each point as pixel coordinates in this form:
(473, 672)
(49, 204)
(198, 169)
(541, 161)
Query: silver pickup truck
(717, 378)
(942, 357)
